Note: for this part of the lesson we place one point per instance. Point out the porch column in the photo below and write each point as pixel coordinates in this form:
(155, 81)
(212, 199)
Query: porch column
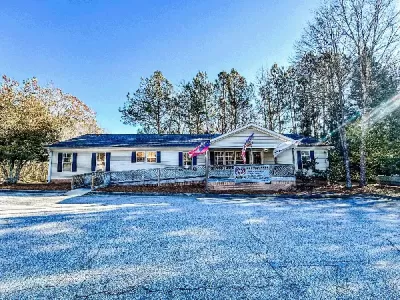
(207, 169)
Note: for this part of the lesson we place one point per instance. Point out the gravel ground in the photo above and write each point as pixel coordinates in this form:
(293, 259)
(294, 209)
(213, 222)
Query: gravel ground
(183, 247)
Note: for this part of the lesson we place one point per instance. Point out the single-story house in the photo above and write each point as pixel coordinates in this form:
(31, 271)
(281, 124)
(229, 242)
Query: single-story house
(124, 152)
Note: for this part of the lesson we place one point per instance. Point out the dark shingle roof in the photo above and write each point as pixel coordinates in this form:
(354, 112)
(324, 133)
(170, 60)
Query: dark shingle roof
(153, 140)
(134, 140)
(304, 140)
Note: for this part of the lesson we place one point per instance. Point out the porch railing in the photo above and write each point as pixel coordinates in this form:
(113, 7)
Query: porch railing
(165, 175)
(282, 170)
(274, 170)
(142, 176)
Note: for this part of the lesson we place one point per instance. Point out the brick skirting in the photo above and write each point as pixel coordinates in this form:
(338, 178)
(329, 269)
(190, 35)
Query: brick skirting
(274, 186)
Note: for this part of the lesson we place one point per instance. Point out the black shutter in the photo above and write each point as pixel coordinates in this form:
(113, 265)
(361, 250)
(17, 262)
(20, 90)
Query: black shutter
(133, 157)
(248, 158)
(312, 155)
(108, 158)
(299, 162)
(93, 162)
(180, 159)
(158, 156)
(194, 160)
(312, 158)
(74, 162)
(59, 163)
(211, 158)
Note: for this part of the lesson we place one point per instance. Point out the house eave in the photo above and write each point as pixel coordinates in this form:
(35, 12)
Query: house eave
(259, 128)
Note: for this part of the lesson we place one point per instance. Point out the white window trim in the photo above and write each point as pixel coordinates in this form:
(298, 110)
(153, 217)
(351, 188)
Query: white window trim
(219, 156)
(307, 155)
(147, 157)
(237, 157)
(239, 161)
(187, 161)
(226, 157)
(97, 162)
(144, 157)
(70, 162)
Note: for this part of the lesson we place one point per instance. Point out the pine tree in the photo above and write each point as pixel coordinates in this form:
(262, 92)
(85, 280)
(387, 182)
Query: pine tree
(149, 107)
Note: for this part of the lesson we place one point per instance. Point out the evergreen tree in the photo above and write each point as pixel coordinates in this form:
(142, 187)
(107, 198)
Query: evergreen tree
(234, 100)
(196, 99)
(150, 106)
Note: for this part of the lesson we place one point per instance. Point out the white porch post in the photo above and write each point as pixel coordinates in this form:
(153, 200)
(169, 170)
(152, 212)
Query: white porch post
(49, 169)
(207, 167)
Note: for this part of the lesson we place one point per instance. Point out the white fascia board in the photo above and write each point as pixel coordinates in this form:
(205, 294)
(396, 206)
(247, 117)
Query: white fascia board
(264, 130)
(116, 149)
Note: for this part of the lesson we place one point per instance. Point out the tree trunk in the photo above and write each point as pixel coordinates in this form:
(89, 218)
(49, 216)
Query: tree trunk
(346, 160)
(364, 124)
(363, 151)
(12, 175)
(342, 130)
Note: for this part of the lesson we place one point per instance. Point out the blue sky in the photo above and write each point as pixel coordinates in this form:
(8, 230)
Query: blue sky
(98, 50)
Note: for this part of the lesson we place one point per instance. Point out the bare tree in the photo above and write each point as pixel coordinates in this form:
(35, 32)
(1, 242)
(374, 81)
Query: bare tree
(372, 34)
(325, 37)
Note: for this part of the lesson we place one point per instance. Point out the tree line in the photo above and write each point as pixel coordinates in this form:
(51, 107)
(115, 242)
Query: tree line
(31, 117)
(346, 65)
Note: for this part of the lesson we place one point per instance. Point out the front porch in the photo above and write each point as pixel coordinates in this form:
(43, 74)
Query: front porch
(254, 156)
(244, 176)
(268, 177)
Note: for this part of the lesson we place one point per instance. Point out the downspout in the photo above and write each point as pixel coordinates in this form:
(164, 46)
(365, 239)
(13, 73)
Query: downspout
(49, 169)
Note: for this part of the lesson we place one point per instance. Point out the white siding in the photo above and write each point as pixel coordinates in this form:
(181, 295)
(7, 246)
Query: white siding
(285, 157)
(320, 154)
(83, 165)
(120, 160)
(268, 157)
(261, 140)
(321, 158)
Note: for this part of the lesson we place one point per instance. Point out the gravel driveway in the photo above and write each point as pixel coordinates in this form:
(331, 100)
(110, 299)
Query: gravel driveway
(188, 247)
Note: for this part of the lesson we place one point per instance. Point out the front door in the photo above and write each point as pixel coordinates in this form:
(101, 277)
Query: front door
(257, 158)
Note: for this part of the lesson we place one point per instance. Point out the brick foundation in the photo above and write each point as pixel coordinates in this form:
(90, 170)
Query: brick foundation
(273, 187)
(56, 181)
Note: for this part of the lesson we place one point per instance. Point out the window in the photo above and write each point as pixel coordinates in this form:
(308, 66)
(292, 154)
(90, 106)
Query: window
(229, 158)
(151, 156)
(238, 158)
(219, 158)
(305, 156)
(140, 156)
(67, 162)
(100, 161)
(187, 161)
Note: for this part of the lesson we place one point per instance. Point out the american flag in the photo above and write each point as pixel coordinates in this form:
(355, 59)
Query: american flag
(200, 149)
(248, 143)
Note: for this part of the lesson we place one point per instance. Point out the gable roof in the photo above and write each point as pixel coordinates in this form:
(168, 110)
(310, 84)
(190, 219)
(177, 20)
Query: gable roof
(134, 140)
(259, 128)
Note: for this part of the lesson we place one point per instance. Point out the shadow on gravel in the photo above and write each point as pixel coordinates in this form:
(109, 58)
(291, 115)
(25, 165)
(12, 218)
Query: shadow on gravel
(134, 247)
